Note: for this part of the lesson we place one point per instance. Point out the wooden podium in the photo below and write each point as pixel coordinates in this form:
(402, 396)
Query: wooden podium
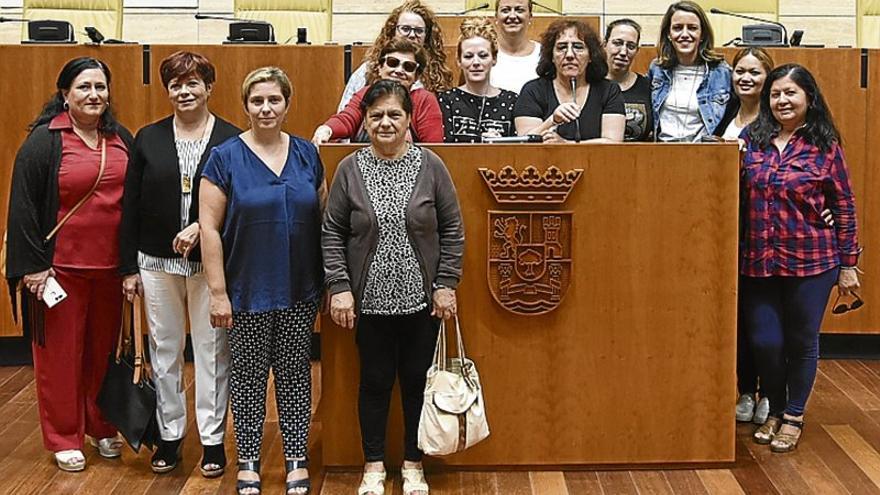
(634, 362)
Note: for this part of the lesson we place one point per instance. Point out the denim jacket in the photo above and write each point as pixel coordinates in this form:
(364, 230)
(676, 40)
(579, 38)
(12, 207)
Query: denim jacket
(712, 95)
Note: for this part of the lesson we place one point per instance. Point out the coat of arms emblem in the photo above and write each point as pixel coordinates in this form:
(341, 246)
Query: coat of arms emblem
(530, 259)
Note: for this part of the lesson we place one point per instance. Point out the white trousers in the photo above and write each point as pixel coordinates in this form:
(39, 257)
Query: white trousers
(169, 299)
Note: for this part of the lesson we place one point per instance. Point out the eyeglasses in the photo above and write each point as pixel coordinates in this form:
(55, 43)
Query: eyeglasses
(619, 43)
(405, 30)
(575, 46)
(842, 308)
(393, 62)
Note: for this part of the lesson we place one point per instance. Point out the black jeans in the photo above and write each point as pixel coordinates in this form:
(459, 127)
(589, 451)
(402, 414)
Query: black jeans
(400, 346)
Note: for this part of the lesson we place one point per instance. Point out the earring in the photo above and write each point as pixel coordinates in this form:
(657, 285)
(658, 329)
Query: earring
(66, 105)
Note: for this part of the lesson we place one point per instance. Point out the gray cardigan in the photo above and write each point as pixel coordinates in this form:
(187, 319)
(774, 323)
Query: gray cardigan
(350, 232)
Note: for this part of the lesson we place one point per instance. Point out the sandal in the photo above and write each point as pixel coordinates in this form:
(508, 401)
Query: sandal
(242, 485)
(786, 442)
(110, 447)
(291, 465)
(373, 483)
(167, 456)
(765, 433)
(70, 460)
(413, 480)
(213, 461)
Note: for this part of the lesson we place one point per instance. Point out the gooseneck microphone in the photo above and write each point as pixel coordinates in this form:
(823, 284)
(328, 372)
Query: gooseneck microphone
(225, 18)
(752, 18)
(574, 98)
(478, 7)
(12, 19)
(551, 9)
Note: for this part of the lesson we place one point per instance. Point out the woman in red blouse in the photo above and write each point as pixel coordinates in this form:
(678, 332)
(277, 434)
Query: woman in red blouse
(75, 145)
(399, 60)
(793, 168)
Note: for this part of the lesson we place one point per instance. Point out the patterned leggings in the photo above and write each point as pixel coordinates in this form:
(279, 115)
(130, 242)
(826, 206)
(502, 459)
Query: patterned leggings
(280, 339)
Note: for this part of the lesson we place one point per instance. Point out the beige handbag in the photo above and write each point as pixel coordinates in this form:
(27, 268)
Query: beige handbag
(453, 414)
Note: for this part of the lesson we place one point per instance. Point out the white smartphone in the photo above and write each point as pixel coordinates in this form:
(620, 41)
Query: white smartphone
(53, 294)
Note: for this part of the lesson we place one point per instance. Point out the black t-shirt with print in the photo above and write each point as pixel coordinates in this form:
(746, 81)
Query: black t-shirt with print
(639, 119)
(462, 122)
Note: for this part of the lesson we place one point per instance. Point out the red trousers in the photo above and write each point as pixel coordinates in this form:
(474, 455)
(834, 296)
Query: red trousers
(81, 332)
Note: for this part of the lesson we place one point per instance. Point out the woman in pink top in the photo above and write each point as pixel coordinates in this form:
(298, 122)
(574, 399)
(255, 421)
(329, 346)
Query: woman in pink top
(403, 61)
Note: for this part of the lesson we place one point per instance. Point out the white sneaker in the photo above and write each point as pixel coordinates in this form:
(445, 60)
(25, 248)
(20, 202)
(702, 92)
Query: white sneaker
(745, 408)
(762, 411)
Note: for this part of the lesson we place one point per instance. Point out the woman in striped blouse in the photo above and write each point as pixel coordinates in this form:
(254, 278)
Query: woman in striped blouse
(159, 259)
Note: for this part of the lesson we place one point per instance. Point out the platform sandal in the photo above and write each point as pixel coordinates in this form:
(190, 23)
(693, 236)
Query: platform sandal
(765, 433)
(242, 485)
(373, 483)
(291, 465)
(786, 442)
(413, 480)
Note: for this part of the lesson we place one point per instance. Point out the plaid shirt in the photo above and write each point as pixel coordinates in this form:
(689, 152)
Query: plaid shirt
(782, 195)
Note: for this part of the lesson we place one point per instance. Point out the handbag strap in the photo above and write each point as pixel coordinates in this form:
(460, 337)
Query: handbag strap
(87, 195)
(460, 340)
(132, 331)
(440, 348)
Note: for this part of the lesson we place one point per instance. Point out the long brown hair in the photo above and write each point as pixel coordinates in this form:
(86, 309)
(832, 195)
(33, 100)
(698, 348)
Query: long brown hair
(436, 76)
(666, 56)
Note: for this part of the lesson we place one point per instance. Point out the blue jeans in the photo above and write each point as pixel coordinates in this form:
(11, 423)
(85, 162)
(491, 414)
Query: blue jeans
(782, 316)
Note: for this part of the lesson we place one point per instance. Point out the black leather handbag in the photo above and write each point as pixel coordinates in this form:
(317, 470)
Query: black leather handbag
(128, 397)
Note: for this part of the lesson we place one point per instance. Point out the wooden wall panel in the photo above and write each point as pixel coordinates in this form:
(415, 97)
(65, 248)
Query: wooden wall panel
(637, 363)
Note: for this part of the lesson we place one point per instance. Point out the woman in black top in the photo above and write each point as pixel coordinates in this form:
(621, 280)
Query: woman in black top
(571, 100)
(622, 45)
(160, 259)
(476, 109)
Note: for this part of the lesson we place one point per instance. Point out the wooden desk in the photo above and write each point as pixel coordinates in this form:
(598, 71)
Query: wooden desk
(636, 365)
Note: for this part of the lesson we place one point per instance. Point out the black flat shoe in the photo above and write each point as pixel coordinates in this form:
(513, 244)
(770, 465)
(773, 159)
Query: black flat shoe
(293, 465)
(167, 456)
(241, 485)
(213, 461)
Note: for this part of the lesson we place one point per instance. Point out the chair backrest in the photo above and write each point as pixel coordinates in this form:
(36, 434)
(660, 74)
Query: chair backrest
(105, 15)
(553, 4)
(868, 23)
(727, 28)
(288, 15)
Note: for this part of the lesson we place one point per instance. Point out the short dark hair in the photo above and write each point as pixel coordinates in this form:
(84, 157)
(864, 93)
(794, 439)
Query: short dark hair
(183, 63)
(55, 105)
(623, 22)
(819, 129)
(597, 69)
(386, 87)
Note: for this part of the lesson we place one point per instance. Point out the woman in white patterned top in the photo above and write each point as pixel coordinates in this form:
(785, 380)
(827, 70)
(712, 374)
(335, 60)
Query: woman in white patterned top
(160, 259)
(392, 242)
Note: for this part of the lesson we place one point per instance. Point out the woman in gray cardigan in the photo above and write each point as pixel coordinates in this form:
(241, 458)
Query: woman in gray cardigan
(392, 244)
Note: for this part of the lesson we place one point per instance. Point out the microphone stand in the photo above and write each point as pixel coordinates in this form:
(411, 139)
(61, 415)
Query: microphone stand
(536, 4)
(478, 7)
(577, 120)
(752, 18)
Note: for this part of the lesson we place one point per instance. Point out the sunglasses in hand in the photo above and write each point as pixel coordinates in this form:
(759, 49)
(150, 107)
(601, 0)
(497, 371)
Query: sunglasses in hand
(839, 308)
(393, 62)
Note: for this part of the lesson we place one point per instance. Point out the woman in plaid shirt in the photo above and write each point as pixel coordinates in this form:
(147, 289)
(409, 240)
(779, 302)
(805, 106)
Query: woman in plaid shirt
(793, 168)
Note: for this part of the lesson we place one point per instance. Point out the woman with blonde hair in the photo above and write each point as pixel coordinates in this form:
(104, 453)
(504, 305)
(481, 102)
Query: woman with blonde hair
(477, 109)
(416, 22)
(260, 209)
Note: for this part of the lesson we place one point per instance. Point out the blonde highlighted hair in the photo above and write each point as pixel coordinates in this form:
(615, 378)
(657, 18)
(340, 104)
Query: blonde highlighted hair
(478, 27)
(267, 74)
(436, 77)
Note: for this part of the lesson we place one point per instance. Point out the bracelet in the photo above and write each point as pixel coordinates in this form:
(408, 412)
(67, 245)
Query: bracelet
(436, 286)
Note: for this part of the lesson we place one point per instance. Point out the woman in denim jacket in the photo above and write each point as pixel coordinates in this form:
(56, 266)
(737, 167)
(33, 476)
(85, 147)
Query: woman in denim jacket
(690, 82)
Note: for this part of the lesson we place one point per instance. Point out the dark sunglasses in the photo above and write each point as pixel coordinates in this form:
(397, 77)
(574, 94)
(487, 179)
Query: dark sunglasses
(393, 62)
(840, 308)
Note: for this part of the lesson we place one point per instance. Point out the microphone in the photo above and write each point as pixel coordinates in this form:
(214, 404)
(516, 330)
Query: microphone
(548, 8)
(12, 19)
(94, 35)
(751, 18)
(574, 97)
(478, 7)
(225, 18)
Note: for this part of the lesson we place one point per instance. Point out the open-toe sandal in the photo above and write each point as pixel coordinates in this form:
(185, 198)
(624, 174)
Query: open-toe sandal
(373, 483)
(765, 433)
(296, 486)
(413, 480)
(786, 442)
(166, 457)
(213, 461)
(70, 460)
(242, 485)
(110, 447)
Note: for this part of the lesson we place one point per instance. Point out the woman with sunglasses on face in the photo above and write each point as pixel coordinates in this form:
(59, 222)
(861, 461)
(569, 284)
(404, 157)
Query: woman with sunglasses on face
(793, 167)
(416, 22)
(690, 82)
(402, 61)
(476, 109)
(517, 56)
(622, 45)
(571, 101)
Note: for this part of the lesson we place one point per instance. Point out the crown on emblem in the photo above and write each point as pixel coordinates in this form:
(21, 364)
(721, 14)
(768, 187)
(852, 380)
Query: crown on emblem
(530, 185)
